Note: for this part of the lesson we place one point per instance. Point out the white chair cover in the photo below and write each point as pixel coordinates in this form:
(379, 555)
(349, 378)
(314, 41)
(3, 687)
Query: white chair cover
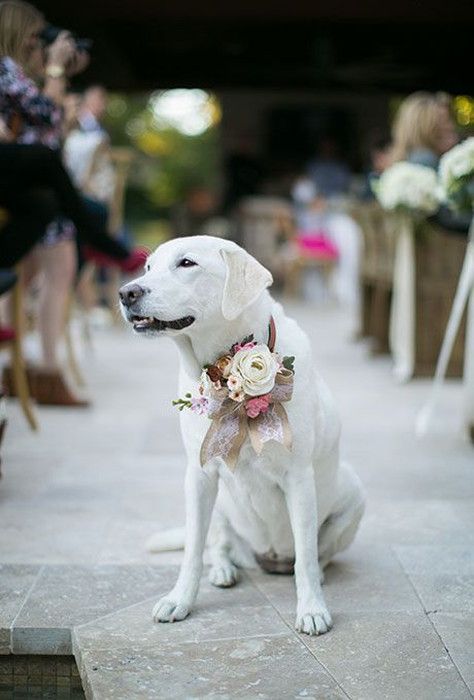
(469, 353)
(403, 310)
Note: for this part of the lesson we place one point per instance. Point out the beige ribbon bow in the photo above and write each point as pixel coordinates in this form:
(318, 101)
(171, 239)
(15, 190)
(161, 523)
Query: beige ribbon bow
(231, 425)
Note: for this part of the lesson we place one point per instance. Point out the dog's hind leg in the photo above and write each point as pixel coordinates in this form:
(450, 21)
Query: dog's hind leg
(224, 572)
(339, 529)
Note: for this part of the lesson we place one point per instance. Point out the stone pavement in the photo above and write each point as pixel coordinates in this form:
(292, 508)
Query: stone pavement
(78, 500)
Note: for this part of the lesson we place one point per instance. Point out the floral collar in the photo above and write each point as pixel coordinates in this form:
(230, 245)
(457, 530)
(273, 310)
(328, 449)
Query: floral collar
(242, 393)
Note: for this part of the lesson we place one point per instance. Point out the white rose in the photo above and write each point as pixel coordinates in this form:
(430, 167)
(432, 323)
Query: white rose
(257, 369)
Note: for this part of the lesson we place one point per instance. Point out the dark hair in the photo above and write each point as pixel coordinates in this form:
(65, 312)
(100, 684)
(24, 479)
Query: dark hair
(379, 140)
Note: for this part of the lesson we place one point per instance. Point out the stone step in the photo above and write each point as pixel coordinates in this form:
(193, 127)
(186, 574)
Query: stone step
(240, 642)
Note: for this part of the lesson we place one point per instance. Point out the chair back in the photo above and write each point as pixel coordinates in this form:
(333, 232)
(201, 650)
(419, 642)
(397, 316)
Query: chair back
(122, 159)
(379, 235)
(266, 224)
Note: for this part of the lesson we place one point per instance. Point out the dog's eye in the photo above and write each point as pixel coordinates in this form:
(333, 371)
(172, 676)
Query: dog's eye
(186, 262)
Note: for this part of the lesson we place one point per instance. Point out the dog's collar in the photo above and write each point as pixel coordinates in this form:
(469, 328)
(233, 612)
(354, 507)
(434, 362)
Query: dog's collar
(243, 394)
(271, 334)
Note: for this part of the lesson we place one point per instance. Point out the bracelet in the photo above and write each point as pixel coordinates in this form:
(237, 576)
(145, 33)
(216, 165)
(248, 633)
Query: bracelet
(55, 71)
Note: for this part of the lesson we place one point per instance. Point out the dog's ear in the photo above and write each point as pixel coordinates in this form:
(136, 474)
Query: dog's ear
(245, 280)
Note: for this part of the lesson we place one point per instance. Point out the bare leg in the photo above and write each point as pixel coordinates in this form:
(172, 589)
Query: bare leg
(58, 264)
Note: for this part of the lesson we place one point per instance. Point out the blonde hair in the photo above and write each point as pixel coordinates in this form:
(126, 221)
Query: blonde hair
(16, 20)
(416, 123)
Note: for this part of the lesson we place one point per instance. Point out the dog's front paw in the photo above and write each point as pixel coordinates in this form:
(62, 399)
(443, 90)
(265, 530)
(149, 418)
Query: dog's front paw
(315, 621)
(168, 609)
(224, 575)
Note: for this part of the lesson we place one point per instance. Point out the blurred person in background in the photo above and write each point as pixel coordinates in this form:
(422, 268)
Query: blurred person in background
(88, 159)
(331, 177)
(327, 233)
(313, 236)
(35, 116)
(423, 130)
(93, 108)
(380, 155)
(86, 154)
(329, 173)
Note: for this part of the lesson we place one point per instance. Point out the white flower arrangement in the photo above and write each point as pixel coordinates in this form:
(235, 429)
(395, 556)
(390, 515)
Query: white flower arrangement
(247, 375)
(408, 187)
(456, 175)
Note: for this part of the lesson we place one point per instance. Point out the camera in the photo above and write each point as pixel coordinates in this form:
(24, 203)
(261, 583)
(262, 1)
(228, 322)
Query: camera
(50, 33)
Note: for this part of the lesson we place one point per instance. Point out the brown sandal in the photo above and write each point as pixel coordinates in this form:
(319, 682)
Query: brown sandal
(50, 389)
(8, 382)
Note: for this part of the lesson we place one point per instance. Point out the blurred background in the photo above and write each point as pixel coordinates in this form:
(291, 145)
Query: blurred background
(223, 102)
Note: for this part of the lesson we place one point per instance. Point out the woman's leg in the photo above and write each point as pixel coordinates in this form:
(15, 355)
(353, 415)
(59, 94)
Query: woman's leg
(58, 264)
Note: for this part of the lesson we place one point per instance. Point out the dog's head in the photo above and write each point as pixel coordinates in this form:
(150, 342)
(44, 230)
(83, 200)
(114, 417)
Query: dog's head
(192, 281)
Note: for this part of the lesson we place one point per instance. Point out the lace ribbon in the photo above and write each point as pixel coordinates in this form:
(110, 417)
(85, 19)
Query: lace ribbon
(230, 424)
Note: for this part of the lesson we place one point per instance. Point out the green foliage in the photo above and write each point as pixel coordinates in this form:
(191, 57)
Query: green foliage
(168, 163)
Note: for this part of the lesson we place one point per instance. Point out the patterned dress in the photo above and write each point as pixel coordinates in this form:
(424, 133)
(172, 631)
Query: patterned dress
(34, 118)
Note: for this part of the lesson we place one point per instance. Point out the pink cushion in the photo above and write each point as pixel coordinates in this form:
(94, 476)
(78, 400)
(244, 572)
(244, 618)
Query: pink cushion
(6, 333)
(317, 245)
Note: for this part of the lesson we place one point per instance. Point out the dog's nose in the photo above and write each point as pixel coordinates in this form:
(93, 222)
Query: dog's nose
(130, 293)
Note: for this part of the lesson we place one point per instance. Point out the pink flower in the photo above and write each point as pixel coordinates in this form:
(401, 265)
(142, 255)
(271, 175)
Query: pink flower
(247, 346)
(199, 405)
(254, 407)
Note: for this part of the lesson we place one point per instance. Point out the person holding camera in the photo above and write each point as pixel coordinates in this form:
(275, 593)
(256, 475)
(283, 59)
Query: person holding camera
(34, 186)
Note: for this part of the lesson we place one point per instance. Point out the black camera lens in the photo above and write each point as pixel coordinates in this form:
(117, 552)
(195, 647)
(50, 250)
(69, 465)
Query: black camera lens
(49, 34)
(83, 44)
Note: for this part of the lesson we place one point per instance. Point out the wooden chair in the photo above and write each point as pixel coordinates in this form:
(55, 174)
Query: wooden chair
(268, 232)
(438, 260)
(428, 264)
(376, 273)
(384, 256)
(296, 265)
(122, 159)
(265, 225)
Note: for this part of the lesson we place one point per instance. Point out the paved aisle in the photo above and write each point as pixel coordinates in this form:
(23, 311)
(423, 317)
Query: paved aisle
(78, 500)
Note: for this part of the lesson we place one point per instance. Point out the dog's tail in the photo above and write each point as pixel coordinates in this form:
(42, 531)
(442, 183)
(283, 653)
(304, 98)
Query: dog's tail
(166, 541)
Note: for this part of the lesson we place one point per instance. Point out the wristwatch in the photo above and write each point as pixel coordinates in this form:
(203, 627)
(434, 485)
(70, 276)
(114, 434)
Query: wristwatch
(55, 71)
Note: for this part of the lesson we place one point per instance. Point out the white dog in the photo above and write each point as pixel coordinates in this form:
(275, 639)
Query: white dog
(300, 505)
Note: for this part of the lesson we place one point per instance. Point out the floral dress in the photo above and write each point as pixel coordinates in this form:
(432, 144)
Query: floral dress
(34, 118)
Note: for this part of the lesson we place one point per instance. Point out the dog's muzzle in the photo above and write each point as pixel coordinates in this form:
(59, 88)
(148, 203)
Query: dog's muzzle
(132, 293)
